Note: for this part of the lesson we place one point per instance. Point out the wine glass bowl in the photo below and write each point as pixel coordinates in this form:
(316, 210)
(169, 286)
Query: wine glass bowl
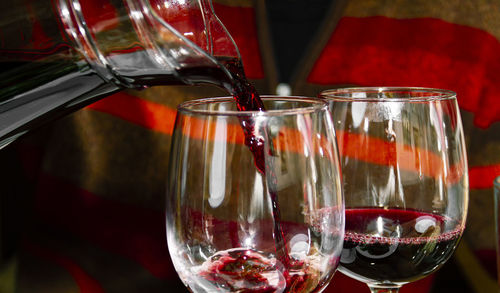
(405, 181)
(254, 198)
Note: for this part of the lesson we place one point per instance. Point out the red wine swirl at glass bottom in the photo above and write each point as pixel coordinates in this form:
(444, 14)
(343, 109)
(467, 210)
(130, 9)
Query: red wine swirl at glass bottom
(395, 245)
(246, 270)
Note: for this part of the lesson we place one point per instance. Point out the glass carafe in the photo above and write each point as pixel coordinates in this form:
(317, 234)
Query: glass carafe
(60, 55)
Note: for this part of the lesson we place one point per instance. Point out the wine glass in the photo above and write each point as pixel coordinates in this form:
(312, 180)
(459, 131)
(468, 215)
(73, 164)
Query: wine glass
(254, 198)
(405, 181)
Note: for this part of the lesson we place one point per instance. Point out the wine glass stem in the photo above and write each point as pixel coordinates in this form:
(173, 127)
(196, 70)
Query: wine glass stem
(375, 289)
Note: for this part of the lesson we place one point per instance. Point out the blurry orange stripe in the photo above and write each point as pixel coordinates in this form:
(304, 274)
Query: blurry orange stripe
(381, 152)
(203, 129)
(150, 115)
(161, 118)
(368, 149)
(288, 140)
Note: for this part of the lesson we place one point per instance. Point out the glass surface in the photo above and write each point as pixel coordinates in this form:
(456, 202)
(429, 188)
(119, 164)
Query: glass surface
(405, 181)
(496, 191)
(240, 220)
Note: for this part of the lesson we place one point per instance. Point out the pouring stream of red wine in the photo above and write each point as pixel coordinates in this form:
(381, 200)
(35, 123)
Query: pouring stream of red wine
(247, 99)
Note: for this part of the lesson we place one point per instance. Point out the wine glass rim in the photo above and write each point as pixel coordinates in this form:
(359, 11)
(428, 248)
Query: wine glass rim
(432, 94)
(315, 105)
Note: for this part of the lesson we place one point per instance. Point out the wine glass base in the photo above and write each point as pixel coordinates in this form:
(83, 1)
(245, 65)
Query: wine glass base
(384, 288)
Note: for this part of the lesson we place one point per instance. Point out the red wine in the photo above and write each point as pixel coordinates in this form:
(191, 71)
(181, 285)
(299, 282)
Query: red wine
(247, 99)
(233, 80)
(396, 245)
(247, 270)
(243, 270)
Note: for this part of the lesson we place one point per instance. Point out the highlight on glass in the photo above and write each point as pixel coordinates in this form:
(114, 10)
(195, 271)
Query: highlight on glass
(405, 181)
(254, 198)
(496, 197)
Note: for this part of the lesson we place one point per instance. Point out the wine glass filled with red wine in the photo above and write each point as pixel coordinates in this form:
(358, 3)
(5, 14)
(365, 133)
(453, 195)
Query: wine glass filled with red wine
(405, 181)
(254, 198)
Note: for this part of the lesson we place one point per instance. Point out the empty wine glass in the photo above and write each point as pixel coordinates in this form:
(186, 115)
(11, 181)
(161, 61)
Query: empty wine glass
(265, 218)
(405, 181)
